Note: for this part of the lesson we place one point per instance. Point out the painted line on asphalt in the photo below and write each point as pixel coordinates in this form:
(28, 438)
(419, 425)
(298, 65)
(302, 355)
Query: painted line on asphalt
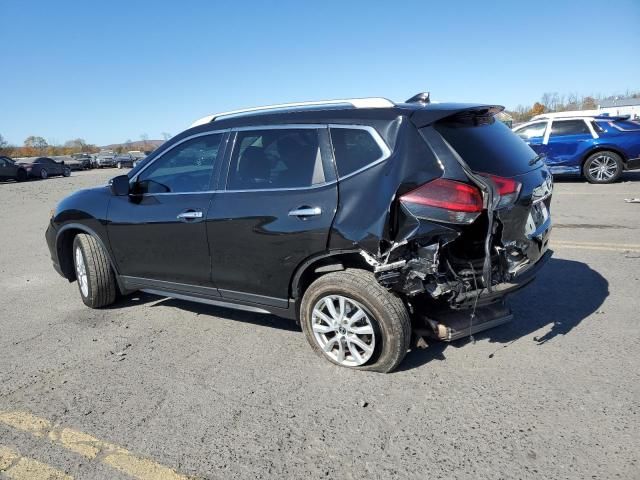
(16, 467)
(605, 247)
(90, 447)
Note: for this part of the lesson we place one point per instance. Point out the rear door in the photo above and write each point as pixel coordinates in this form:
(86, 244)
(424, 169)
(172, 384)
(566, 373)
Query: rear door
(158, 232)
(568, 140)
(275, 209)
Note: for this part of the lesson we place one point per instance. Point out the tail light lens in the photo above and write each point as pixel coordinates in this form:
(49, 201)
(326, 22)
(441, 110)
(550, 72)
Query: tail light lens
(444, 200)
(508, 189)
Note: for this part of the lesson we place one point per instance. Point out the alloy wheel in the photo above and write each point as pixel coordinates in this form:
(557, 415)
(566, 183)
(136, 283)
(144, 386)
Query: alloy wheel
(344, 330)
(603, 168)
(81, 273)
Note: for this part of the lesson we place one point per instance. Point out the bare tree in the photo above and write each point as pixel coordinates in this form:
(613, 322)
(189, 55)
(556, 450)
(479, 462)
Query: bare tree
(33, 141)
(144, 137)
(3, 142)
(166, 136)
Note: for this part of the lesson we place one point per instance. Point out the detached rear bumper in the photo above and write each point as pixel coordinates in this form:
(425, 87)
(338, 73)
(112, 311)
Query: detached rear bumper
(485, 297)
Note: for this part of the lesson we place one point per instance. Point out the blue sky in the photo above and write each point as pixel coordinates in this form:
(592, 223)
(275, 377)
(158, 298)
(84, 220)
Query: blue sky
(114, 70)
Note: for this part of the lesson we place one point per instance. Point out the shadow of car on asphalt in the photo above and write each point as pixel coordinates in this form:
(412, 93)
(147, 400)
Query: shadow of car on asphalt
(564, 293)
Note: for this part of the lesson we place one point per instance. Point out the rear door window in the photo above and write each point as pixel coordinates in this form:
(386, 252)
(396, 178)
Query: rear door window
(276, 158)
(488, 146)
(354, 148)
(561, 128)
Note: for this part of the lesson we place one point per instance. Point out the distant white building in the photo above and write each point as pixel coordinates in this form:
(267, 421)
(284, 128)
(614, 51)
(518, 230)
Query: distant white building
(618, 106)
(621, 106)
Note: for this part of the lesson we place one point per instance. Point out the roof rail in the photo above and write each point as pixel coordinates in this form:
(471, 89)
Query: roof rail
(370, 102)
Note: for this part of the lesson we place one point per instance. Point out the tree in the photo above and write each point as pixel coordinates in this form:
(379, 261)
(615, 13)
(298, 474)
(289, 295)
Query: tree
(589, 103)
(166, 136)
(3, 142)
(38, 143)
(76, 144)
(537, 109)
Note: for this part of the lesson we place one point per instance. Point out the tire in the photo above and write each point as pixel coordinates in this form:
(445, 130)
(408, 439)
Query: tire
(21, 176)
(44, 174)
(119, 166)
(98, 287)
(66, 172)
(603, 167)
(383, 311)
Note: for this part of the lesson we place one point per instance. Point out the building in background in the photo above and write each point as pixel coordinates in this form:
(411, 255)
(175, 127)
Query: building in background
(621, 106)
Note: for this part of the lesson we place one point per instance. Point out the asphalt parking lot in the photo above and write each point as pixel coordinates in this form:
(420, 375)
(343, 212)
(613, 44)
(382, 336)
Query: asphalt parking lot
(159, 388)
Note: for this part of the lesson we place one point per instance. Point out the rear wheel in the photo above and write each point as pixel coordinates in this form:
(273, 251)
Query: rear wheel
(21, 176)
(96, 280)
(352, 321)
(66, 172)
(119, 165)
(602, 167)
(44, 174)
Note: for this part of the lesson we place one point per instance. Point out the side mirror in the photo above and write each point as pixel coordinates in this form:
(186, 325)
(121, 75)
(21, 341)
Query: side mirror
(120, 185)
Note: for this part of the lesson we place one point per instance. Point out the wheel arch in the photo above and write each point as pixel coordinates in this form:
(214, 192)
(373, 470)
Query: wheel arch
(64, 249)
(603, 148)
(316, 266)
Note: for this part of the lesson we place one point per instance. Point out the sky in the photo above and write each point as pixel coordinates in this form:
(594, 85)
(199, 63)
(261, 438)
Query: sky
(115, 70)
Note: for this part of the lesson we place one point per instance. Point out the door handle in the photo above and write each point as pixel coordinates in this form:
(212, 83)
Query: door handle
(305, 212)
(190, 215)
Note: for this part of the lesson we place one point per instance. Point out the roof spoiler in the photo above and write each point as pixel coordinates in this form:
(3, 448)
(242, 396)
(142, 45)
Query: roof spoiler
(436, 112)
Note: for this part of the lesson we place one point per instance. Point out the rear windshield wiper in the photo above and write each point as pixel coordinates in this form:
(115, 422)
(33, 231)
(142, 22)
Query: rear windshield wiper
(536, 159)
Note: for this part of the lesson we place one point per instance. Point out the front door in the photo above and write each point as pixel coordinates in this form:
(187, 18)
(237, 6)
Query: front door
(533, 135)
(158, 232)
(276, 209)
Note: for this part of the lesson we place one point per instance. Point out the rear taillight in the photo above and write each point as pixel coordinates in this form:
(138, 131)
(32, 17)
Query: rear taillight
(508, 189)
(445, 200)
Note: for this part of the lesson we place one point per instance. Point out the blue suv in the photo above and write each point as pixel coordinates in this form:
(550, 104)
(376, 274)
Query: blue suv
(598, 147)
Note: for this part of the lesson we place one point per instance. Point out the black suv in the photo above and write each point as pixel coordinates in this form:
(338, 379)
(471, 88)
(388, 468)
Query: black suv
(364, 220)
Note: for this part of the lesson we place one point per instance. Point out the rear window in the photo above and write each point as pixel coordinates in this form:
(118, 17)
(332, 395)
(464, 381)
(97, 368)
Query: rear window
(354, 148)
(488, 147)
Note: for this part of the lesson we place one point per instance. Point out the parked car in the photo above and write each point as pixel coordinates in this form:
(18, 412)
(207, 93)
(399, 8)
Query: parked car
(124, 160)
(105, 159)
(10, 170)
(45, 167)
(364, 220)
(599, 148)
(84, 159)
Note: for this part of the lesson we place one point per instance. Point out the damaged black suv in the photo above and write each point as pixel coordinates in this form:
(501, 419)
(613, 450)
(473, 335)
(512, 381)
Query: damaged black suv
(371, 223)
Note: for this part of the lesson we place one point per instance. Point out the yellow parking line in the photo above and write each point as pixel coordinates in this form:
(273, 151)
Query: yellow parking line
(90, 447)
(17, 467)
(607, 247)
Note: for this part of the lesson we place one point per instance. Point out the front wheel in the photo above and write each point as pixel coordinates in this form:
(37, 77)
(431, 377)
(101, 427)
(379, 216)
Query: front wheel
(95, 277)
(602, 167)
(44, 174)
(352, 321)
(66, 172)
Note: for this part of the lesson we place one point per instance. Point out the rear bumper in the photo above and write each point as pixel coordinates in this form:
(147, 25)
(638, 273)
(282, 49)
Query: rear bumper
(485, 297)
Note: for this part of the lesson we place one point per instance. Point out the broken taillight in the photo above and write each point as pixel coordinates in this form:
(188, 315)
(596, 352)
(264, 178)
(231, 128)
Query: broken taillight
(445, 200)
(508, 189)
